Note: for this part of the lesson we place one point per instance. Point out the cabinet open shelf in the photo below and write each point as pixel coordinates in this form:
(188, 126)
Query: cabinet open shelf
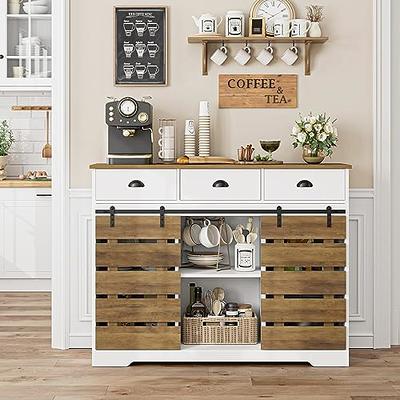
(212, 273)
(206, 40)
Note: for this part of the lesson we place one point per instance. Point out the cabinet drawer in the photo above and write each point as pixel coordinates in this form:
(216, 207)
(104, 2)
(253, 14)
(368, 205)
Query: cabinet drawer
(220, 185)
(136, 185)
(305, 185)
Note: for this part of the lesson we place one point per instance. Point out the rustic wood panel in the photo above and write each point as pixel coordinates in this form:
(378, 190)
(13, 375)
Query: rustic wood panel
(303, 310)
(138, 254)
(136, 227)
(305, 282)
(138, 310)
(152, 282)
(138, 338)
(303, 338)
(303, 227)
(257, 91)
(289, 254)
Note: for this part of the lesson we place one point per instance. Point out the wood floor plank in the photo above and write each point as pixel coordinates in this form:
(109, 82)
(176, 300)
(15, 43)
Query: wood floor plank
(30, 369)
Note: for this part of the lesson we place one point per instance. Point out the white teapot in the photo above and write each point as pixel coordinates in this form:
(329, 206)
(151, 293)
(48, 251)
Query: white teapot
(207, 24)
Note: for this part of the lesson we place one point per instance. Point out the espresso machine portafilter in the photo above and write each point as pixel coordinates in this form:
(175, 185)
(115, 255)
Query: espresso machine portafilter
(130, 131)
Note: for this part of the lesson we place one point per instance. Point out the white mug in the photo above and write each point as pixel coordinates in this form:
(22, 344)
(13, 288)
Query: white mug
(209, 235)
(282, 27)
(220, 55)
(300, 27)
(166, 155)
(243, 56)
(167, 131)
(266, 55)
(18, 72)
(290, 56)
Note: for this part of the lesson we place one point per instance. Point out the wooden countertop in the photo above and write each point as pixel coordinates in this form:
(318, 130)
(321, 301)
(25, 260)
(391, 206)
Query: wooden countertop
(225, 166)
(17, 183)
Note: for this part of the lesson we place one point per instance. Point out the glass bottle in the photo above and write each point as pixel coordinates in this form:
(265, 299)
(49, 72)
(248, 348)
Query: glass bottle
(198, 309)
(192, 286)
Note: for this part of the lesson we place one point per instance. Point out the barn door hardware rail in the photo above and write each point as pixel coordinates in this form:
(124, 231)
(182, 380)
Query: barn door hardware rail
(162, 212)
(206, 40)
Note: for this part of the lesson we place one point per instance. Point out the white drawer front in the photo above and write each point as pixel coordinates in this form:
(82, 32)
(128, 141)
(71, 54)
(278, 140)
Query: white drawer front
(136, 185)
(307, 185)
(220, 185)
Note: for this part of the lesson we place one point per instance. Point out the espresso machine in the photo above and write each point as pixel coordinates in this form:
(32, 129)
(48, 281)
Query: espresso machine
(130, 131)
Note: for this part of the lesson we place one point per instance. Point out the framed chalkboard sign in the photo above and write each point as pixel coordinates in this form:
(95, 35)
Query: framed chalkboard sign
(140, 46)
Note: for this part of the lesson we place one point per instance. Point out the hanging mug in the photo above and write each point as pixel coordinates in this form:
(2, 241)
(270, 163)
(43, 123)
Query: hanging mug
(220, 55)
(243, 56)
(266, 56)
(290, 56)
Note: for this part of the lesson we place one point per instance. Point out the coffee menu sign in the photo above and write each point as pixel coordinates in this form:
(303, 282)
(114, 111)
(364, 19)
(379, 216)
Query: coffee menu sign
(257, 91)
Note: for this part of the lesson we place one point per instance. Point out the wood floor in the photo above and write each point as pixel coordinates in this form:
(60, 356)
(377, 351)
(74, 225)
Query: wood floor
(31, 370)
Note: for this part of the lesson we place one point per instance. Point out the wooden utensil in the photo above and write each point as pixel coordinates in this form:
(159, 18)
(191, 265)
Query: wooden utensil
(205, 160)
(47, 151)
(216, 307)
(219, 294)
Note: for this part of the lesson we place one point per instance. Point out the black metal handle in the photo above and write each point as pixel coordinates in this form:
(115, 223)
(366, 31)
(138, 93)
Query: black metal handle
(305, 184)
(1, 56)
(43, 194)
(136, 184)
(220, 184)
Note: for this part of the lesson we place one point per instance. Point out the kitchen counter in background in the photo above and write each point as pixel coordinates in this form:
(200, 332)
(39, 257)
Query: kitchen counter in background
(17, 183)
(226, 166)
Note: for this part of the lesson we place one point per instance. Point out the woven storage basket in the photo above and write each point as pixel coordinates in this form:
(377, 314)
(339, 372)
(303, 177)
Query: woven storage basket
(220, 330)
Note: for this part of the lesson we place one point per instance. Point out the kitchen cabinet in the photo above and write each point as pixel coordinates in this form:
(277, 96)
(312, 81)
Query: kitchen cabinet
(25, 233)
(25, 45)
(299, 290)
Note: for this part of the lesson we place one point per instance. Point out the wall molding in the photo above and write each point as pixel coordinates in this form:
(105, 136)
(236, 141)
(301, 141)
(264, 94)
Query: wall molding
(25, 285)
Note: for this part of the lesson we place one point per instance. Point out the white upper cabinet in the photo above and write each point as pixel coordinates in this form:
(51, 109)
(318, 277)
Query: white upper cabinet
(25, 43)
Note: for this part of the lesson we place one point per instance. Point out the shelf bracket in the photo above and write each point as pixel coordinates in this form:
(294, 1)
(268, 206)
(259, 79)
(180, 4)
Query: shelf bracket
(307, 60)
(204, 55)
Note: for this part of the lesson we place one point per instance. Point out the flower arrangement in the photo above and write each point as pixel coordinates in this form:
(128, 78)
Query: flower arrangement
(316, 132)
(6, 138)
(315, 13)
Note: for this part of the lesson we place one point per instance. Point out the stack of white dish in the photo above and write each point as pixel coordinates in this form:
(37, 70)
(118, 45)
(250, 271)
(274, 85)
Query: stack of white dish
(34, 43)
(204, 129)
(37, 7)
(190, 138)
(205, 259)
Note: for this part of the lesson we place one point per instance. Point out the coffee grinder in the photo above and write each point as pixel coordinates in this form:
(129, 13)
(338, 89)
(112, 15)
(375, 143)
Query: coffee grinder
(130, 131)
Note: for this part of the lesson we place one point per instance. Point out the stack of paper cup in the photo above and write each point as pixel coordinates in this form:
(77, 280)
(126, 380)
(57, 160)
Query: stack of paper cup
(190, 138)
(204, 129)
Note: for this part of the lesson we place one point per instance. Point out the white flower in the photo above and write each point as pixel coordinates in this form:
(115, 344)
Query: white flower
(301, 137)
(295, 130)
(306, 119)
(308, 128)
(329, 128)
(321, 137)
(335, 132)
(311, 134)
(313, 120)
(318, 127)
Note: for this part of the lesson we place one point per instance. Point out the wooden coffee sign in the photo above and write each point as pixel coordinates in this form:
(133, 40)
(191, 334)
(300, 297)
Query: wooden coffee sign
(257, 91)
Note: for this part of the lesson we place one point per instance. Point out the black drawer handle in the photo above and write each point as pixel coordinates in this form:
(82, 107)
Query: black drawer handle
(136, 184)
(1, 56)
(305, 184)
(220, 184)
(43, 195)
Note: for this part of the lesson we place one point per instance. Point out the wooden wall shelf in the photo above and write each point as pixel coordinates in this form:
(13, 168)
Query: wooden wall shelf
(206, 40)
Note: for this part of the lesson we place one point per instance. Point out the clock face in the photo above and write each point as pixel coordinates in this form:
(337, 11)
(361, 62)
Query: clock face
(272, 10)
(127, 107)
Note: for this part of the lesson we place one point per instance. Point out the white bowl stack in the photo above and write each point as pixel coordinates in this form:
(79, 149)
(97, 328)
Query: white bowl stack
(204, 129)
(37, 7)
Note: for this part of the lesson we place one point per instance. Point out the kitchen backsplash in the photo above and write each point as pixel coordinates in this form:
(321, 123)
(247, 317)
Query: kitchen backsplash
(29, 130)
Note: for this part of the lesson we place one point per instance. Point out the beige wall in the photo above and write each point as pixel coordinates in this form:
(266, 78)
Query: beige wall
(340, 84)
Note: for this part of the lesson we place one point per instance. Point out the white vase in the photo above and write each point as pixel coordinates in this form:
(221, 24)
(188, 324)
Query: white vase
(315, 30)
(3, 164)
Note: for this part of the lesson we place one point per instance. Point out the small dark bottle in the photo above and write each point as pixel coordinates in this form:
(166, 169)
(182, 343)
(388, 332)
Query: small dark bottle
(192, 286)
(198, 309)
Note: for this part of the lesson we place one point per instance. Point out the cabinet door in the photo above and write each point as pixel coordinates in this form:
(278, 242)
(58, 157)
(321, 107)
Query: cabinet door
(303, 284)
(26, 233)
(138, 283)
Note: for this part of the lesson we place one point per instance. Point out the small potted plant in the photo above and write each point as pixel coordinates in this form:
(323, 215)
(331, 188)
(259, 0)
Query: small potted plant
(315, 14)
(6, 141)
(317, 135)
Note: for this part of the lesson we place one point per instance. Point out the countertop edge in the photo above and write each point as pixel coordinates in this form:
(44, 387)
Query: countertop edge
(225, 166)
(24, 184)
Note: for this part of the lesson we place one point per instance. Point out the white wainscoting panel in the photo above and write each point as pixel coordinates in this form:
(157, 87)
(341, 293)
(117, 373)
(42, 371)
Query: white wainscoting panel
(361, 268)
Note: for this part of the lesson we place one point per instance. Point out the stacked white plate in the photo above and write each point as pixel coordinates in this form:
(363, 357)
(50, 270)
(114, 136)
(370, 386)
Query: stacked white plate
(204, 130)
(205, 259)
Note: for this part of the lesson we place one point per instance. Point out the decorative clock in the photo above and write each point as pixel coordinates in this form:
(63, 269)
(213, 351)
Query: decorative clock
(272, 10)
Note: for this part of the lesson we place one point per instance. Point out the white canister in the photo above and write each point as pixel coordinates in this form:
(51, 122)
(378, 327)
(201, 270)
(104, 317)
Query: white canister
(234, 24)
(245, 257)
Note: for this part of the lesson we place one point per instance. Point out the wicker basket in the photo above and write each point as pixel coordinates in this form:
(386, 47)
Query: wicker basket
(220, 330)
